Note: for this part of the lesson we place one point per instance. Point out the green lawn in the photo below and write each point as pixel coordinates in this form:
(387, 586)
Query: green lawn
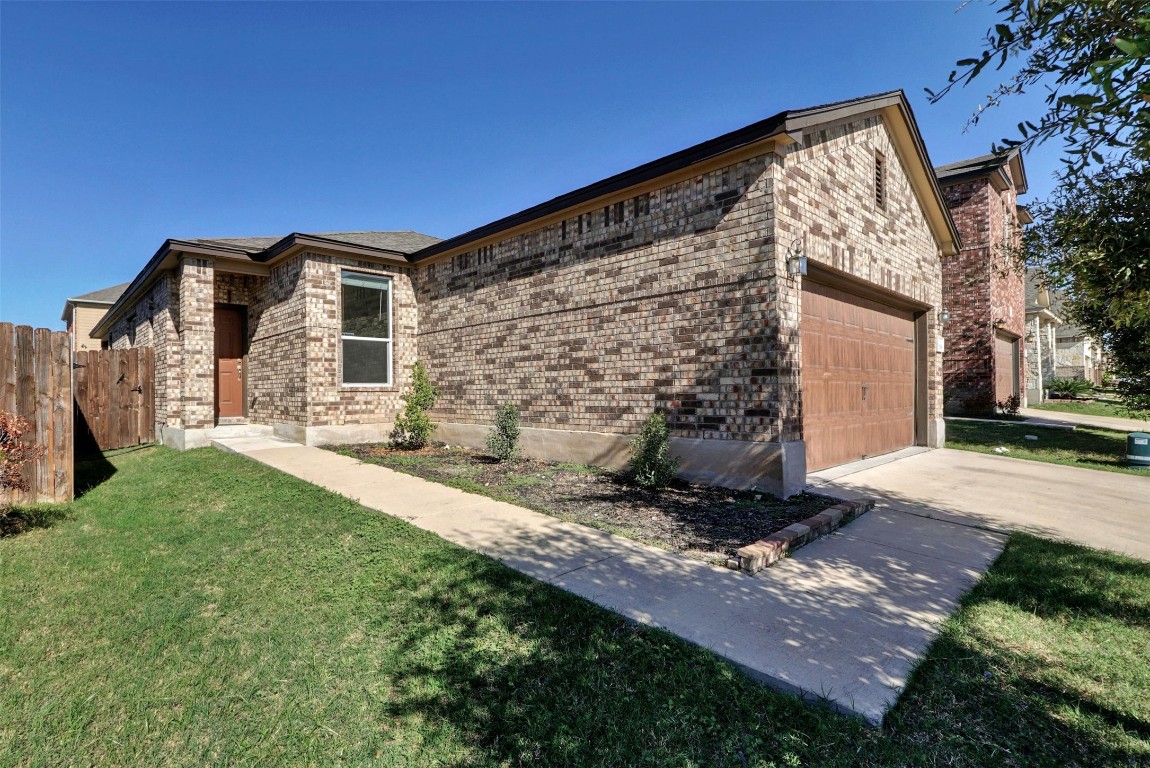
(1088, 408)
(1087, 447)
(200, 609)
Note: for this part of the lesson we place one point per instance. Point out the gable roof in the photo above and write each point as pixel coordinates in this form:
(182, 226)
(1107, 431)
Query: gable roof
(991, 166)
(406, 247)
(782, 129)
(252, 253)
(102, 296)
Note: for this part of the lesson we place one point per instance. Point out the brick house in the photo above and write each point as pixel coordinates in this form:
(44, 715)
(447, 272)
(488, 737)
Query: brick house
(675, 285)
(982, 288)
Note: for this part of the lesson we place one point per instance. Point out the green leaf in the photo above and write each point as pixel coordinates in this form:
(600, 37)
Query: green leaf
(1080, 100)
(1132, 47)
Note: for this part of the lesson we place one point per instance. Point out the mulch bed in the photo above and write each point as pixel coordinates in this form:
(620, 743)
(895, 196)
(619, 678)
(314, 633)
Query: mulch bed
(700, 521)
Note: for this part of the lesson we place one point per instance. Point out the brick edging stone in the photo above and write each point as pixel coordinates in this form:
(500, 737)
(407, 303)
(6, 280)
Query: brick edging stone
(766, 552)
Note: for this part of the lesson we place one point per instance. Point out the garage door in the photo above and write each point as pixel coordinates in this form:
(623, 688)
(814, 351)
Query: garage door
(1005, 367)
(857, 376)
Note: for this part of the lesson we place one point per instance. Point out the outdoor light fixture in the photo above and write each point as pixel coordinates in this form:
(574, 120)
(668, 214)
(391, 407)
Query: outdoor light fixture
(944, 316)
(796, 261)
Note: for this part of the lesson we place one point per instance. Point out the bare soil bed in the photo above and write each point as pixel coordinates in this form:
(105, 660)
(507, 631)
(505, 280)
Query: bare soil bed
(700, 521)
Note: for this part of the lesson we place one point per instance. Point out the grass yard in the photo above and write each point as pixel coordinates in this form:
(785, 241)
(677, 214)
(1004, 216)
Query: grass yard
(1089, 447)
(200, 609)
(1087, 408)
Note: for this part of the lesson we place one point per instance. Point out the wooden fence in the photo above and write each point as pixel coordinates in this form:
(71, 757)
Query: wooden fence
(115, 398)
(36, 384)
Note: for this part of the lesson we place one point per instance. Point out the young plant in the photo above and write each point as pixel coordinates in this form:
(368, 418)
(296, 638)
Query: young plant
(652, 465)
(413, 427)
(503, 439)
(981, 404)
(1009, 406)
(1069, 388)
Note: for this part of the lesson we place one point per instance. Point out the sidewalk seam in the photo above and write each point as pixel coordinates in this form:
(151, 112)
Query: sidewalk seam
(585, 565)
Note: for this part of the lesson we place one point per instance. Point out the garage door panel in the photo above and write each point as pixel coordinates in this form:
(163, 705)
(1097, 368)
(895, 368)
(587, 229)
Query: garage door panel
(857, 377)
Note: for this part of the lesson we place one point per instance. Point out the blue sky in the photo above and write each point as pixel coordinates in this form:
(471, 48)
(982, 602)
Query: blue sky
(122, 125)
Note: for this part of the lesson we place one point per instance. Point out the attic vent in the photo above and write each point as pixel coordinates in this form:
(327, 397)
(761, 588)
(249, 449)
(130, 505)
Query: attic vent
(879, 180)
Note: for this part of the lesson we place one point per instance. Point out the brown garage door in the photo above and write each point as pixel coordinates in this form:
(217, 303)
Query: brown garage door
(857, 376)
(1005, 367)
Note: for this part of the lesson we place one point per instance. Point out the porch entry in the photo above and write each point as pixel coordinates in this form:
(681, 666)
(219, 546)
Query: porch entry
(230, 342)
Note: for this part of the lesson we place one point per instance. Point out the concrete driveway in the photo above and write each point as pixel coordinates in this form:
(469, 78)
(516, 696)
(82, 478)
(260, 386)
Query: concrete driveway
(1105, 510)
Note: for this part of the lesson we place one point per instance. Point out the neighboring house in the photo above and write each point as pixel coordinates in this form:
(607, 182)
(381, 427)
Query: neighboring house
(1058, 349)
(674, 285)
(82, 313)
(983, 289)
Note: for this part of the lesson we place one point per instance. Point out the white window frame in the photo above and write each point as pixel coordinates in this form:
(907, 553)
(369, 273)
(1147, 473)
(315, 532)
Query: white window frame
(390, 340)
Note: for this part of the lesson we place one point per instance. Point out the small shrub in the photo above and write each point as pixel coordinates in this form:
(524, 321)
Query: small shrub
(503, 439)
(14, 452)
(413, 427)
(981, 404)
(1069, 388)
(1010, 406)
(652, 465)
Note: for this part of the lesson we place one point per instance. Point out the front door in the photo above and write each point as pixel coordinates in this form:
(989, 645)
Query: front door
(229, 362)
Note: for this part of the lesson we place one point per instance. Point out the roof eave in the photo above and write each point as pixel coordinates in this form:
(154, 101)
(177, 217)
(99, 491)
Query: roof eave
(298, 242)
(772, 130)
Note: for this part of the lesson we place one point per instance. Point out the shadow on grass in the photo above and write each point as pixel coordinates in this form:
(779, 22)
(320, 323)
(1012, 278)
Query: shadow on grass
(17, 520)
(581, 686)
(616, 693)
(1036, 702)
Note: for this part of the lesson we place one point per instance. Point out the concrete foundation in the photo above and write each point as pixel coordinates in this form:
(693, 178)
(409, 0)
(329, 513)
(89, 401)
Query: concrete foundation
(775, 468)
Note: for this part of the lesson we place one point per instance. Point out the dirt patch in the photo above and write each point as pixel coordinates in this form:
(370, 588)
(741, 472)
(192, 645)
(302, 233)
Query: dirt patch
(701, 521)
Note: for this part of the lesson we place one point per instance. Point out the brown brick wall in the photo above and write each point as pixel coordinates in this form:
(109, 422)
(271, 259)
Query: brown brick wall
(983, 289)
(591, 323)
(826, 202)
(328, 401)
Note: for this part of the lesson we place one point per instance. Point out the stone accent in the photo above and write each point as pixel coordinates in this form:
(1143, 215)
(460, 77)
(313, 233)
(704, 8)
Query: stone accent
(766, 552)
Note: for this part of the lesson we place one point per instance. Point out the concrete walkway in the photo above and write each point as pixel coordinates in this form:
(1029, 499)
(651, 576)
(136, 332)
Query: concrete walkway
(1036, 416)
(1106, 510)
(842, 622)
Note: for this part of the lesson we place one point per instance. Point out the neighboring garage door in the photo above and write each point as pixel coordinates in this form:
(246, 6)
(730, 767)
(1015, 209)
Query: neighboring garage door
(857, 376)
(1005, 367)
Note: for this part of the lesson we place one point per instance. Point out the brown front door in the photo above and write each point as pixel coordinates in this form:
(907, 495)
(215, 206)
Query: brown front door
(858, 376)
(1005, 366)
(229, 362)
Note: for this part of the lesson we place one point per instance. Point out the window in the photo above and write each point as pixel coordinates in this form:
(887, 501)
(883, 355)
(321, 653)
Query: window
(366, 338)
(879, 180)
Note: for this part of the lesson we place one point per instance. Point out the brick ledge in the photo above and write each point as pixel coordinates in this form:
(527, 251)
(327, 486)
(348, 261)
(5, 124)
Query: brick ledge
(766, 552)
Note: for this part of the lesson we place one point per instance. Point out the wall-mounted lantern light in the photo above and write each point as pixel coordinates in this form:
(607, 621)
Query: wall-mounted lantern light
(943, 316)
(796, 261)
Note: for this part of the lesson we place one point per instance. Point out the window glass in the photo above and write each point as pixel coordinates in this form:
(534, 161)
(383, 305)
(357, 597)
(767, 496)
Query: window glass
(366, 334)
